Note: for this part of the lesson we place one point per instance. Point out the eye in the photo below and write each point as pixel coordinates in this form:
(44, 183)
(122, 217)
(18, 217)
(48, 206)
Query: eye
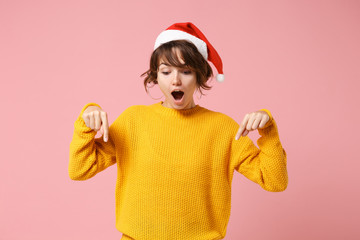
(187, 72)
(165, 73)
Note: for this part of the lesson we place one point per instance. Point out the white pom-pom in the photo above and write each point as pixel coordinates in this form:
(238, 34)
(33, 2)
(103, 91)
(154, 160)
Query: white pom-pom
(220, 77)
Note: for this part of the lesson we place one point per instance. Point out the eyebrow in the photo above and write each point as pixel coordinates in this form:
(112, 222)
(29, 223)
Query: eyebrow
(168, 65)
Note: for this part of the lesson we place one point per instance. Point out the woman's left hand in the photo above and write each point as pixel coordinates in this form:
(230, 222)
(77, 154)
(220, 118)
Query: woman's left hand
(251, 122)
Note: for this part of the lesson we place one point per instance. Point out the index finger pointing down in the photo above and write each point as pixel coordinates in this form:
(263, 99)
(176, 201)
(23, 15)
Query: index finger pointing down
(105, 123)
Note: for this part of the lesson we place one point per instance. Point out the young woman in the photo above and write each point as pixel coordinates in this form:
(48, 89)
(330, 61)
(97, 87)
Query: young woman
(176, 159)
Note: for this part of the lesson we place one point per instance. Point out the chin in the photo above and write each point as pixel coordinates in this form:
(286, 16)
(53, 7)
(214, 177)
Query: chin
(183, 106)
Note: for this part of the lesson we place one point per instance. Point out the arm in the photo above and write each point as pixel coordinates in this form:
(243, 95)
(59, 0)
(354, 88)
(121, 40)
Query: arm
(265, 166)
(89, 155)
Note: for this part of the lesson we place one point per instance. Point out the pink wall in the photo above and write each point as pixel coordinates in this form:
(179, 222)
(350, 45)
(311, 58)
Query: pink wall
(299, 59)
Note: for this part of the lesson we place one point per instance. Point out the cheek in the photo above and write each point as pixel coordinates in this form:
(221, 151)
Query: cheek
(193, 90)
(163, 81)
(162, 86)
(192, 85)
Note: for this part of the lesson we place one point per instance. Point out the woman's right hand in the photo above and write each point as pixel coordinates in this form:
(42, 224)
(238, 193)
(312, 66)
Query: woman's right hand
(97, 119)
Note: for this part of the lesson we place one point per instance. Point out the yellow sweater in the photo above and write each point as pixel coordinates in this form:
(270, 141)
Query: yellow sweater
(175, 168)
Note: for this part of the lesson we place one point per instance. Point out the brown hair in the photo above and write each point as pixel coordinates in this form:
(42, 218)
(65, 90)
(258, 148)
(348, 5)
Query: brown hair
(191, 56)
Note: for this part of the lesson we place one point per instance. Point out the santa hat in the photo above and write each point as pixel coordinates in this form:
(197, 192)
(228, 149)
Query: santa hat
(190, 32)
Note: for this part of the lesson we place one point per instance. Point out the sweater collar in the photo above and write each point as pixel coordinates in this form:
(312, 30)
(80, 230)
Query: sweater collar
(176, 112)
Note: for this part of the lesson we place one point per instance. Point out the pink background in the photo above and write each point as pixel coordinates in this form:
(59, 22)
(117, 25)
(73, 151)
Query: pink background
(299, 59)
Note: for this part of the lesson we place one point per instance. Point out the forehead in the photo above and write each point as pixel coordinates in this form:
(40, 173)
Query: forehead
(175, 54)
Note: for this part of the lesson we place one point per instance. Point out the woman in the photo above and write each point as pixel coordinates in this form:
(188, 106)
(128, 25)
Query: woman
(176, 159)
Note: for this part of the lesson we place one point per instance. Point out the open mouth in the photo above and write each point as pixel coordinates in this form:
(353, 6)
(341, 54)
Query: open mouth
(177, 94)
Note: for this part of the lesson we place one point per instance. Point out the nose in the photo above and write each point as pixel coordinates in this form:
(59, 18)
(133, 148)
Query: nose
(176, 80)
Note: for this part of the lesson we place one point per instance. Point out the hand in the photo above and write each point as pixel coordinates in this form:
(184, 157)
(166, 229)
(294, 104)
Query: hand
(251, 122)
(97, 119)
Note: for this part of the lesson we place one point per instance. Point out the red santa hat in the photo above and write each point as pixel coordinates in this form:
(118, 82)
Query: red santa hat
(191, 33)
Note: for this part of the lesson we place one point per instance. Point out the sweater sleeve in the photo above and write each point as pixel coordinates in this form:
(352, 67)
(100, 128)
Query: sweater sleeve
(265, 166)
(89, 155)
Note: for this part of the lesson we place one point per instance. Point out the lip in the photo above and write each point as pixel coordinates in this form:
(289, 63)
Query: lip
(177, 89)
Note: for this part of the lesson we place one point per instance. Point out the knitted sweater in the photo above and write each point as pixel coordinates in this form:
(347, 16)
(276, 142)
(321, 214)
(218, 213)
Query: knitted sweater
(175, 168)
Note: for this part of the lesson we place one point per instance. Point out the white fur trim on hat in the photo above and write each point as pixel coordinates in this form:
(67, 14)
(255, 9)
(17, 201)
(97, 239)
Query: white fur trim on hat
(170, 35)
(220, 77)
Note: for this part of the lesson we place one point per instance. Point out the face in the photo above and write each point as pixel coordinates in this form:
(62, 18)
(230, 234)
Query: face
(177, 84)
